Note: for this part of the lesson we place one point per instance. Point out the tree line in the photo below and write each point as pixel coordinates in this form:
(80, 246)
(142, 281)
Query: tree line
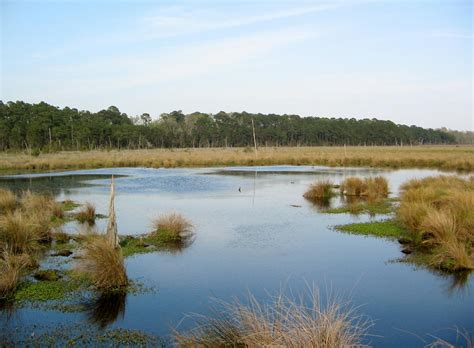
(41, 126)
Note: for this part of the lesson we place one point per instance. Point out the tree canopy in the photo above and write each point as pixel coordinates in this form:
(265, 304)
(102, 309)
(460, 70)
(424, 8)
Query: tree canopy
(47, 127)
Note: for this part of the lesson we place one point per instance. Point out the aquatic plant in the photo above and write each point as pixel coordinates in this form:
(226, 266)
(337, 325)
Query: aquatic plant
(373, 189)
(321, 189)
(8, 201)
(104, 263)
(86, 214)
(352, 186)
(172, 227)
(284, 322)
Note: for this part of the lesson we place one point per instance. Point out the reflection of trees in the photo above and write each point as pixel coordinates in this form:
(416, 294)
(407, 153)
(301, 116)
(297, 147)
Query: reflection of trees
(53, 184)
(105, 309)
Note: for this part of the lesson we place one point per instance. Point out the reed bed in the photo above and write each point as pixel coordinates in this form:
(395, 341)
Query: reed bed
(438, 212)
(104, 264)
(281, 322)
(371, 188)
(443, 157)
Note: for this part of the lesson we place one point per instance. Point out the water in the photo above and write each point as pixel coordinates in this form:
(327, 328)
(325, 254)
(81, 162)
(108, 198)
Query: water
(260, 239)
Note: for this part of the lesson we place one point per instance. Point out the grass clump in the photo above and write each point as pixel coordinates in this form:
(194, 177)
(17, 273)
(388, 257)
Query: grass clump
(321, 189)
(373, 189)
(18, 233)
(284, 322)
(11, 267)
(8, 201)
(438, 212)
(384, 228)
(171, 227)
(104, 264)
(86, 214)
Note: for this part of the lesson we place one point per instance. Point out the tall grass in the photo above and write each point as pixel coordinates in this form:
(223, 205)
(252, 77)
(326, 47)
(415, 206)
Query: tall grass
(10, 272)
(172, 227)
(8, 201)
(283, 322)
(444, 157)
(104, 264)
(18, 233)
(438, 211)
(86, 213)
(321, 189)
(372, 188)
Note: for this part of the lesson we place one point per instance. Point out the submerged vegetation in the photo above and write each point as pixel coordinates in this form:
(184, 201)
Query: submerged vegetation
(283, 322)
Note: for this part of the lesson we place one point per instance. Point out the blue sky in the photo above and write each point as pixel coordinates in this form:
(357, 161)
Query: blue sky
(406, 61)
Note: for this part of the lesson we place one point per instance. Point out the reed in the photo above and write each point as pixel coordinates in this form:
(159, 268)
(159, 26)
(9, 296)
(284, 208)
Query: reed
(281, 322)
(104, 264)
(321, 189)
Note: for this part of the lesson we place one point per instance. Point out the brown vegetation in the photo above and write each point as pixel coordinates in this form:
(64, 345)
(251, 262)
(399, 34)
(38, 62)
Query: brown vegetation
(10, 271)
(438, 212)
(172, 227)
(372, 188)
(86, 214)
(321, 189)
(284, 322)
(443, 157)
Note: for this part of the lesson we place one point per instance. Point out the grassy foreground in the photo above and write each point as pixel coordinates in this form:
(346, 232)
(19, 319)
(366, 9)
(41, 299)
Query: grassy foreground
(442, 157)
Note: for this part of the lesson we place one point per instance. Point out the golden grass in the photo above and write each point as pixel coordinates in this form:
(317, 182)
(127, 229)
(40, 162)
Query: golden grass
(104, 264)
(321, 189)
(33, 203)
(10, 272)
(8, 200)
(438, 211)
(284, 322)
(173, 226)
(18, 233)
(443, 157)
(86, 213)
(372, 188)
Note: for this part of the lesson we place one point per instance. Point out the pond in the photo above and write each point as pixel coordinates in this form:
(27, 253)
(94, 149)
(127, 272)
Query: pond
(253, 232)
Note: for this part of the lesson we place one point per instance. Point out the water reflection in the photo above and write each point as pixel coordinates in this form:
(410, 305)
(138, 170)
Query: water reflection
(105, 309)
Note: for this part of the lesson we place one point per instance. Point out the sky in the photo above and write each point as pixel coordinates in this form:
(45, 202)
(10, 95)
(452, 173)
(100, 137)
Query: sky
(406, 61)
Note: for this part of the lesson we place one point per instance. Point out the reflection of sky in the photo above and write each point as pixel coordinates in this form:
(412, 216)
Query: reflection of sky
(255, 239)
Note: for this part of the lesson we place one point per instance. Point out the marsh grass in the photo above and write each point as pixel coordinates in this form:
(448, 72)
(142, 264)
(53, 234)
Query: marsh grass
(281, 322)
(172, 227)
(11, 267)
(104, 264)
(18, 233)
(8, 201)
(443, 157)
(438, 213)
(319, 190)
(86, 214)
(372, 188)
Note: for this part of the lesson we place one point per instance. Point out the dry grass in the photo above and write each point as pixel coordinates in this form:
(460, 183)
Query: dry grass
(104, 264)
(10, 272)
(34, 203)
(444, 157)
(8, 201)
(284, 322)
(86, 214)
(372, 188)
(173, 226)
(18, 233)
(438, 211)
(319, 190)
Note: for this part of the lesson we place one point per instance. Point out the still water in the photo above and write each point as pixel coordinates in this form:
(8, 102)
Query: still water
(260, 238)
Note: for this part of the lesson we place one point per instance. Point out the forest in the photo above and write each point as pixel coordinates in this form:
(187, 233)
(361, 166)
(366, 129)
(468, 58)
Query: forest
(45, 127)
